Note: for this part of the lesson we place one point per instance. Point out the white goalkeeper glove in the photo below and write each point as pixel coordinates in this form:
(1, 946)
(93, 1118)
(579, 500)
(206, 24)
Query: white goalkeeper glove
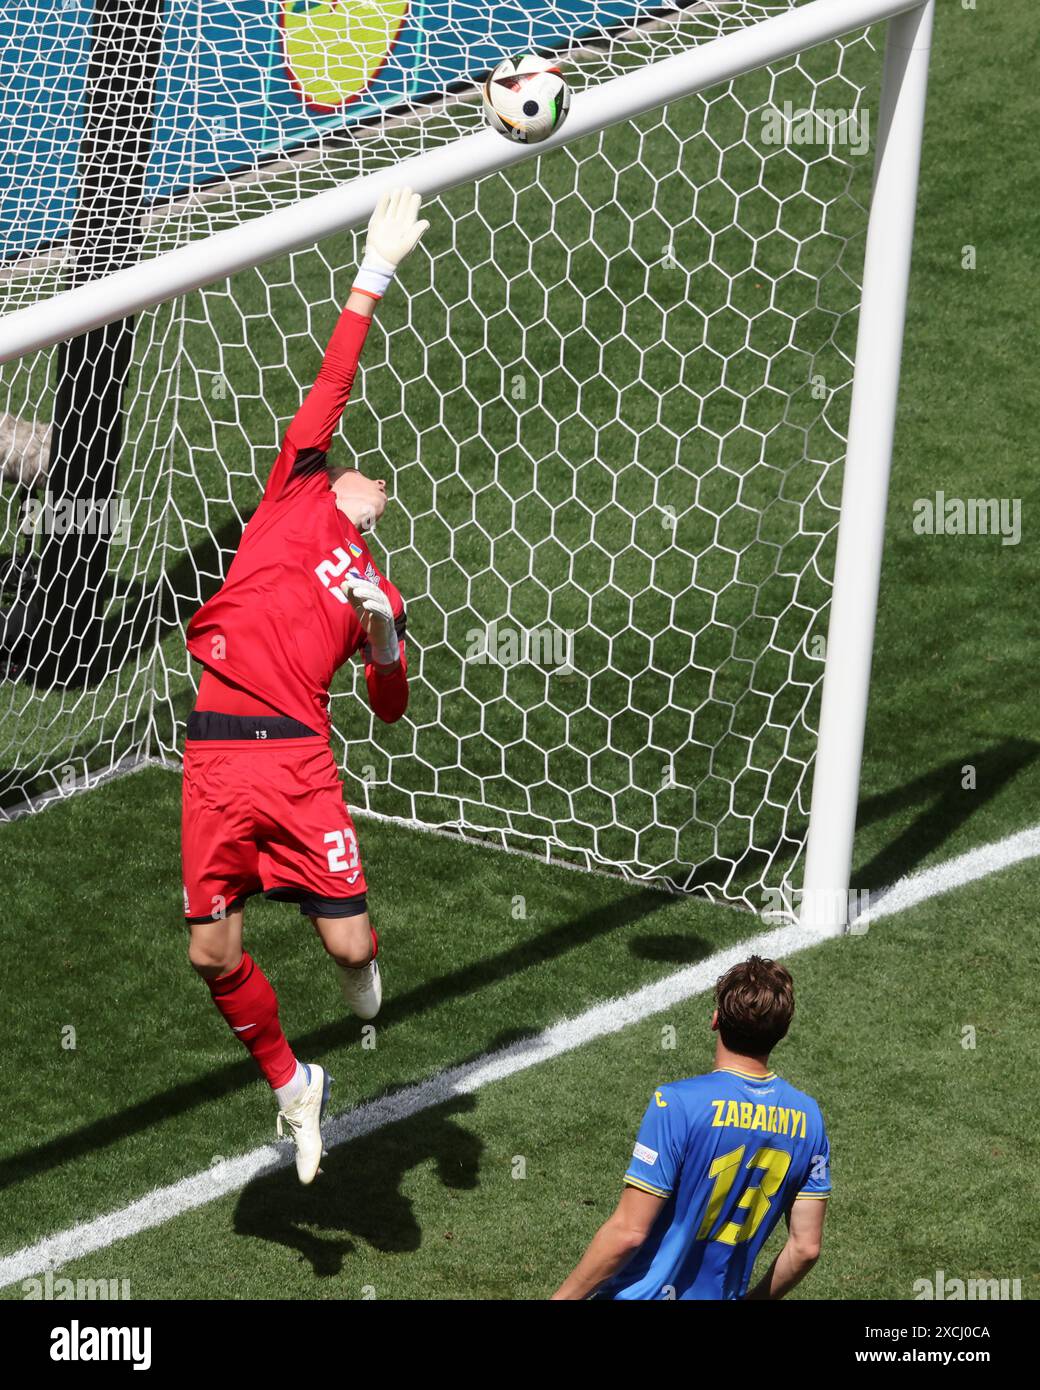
(376, 618)
(394, 229)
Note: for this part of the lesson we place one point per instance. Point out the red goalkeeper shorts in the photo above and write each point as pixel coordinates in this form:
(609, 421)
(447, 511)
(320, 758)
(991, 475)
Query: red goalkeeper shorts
(268, 816)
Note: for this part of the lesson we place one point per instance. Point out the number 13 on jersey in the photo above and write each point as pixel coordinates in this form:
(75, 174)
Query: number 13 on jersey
(771, 1165)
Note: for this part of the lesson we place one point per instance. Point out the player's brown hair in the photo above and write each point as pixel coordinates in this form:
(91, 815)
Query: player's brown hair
(755, 1000)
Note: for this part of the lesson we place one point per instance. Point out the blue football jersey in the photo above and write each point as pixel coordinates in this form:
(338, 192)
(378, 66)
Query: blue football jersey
(729, 1152)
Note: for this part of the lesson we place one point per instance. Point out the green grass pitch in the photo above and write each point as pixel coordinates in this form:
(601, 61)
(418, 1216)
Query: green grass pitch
(932, 1138)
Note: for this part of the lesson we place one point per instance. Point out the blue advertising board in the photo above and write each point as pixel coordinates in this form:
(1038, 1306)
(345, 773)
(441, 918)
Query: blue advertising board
(242, 80)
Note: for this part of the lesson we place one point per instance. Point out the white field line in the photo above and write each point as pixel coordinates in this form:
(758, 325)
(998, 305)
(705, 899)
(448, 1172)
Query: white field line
(976, 863)
(611, 1016)
(85, 782)
(451, 830)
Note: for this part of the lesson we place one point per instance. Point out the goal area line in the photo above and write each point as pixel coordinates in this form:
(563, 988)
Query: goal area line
(906, 892)
(472, 836)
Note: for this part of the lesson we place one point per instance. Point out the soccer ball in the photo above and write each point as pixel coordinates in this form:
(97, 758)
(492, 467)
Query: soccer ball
(526, 98)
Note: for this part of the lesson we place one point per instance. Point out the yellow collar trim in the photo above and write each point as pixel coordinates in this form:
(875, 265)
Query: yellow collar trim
(751, 1075)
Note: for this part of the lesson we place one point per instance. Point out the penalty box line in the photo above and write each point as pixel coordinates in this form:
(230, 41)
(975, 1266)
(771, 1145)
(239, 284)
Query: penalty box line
(611, 1016)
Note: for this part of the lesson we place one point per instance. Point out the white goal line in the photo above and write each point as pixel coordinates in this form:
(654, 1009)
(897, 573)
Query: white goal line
(190, 267)
(231, 1175)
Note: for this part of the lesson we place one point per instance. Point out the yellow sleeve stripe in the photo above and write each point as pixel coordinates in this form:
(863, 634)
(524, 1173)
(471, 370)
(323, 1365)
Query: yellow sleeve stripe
(811, 1196)
(646, 1186)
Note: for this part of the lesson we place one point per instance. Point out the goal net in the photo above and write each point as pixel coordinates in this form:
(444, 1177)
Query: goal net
(609, 393)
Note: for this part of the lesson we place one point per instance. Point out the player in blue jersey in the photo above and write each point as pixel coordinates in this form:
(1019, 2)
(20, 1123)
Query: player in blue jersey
(718, 1160)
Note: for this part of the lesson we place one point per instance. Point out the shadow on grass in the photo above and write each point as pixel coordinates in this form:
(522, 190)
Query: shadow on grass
(223, 1081)
(135, 614)
(945, 807)
(358, 1195)
(142, 610)
(675, 948)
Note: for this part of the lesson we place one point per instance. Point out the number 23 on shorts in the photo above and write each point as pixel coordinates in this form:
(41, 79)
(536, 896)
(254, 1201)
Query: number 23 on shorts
(343, 852)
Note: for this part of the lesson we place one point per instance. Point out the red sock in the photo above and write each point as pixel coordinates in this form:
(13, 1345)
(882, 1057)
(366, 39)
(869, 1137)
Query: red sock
(375, 943)
(250, 1008)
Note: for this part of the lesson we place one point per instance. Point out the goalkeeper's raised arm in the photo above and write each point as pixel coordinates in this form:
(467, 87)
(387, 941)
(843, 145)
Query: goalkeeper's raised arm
(283, 622)
(394, 230)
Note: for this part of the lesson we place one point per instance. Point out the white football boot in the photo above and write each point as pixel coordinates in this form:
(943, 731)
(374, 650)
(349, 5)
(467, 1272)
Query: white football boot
(362, 989)
(303, 1121)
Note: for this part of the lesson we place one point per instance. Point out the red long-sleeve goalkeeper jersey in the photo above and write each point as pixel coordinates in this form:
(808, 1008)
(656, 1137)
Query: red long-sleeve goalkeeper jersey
(280, 626)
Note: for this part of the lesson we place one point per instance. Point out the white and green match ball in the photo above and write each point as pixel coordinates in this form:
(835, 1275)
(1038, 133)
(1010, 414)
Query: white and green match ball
(526, 98)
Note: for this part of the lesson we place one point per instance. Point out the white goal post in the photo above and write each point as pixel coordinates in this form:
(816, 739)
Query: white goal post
(868, 462)
(169, 276)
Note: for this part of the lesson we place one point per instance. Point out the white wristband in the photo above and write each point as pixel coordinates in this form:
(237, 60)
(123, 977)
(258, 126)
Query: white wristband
(388, 652)
(374, 274)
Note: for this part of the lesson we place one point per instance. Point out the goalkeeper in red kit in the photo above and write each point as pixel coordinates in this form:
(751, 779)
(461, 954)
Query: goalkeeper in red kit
(263, 807)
